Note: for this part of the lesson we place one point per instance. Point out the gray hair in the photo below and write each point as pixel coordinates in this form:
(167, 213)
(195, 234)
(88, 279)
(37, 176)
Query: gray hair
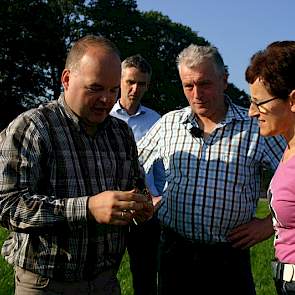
(193, 55)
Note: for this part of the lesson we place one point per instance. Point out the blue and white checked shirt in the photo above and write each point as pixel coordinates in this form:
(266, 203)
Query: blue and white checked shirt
(213, 185)
(140, 123)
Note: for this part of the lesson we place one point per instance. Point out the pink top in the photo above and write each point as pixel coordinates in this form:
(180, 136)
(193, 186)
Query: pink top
(282, 203)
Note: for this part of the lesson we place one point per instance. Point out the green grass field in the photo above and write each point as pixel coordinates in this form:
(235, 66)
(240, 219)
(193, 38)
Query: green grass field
(261, 256)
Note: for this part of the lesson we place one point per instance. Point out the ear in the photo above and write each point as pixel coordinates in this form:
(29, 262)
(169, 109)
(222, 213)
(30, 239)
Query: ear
(292, 100)
(225, 81)
(65, 78)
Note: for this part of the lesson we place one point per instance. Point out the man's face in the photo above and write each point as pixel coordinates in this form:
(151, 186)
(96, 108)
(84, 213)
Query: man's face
(91, 89)
(134, 84)
(204, 89)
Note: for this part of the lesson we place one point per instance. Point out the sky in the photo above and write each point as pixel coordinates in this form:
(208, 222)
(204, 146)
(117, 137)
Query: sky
(238, 28)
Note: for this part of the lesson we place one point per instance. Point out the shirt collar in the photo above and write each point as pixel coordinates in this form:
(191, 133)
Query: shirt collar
(233, 113)
(118, 108)
(70, 114)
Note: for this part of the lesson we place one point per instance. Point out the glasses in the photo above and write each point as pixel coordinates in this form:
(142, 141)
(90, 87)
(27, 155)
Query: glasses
(259, 104)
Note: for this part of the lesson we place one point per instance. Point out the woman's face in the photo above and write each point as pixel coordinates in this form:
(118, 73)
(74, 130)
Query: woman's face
(274, 115)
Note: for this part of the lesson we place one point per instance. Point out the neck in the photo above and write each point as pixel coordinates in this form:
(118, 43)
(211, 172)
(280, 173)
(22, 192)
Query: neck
(129, 106)
(89, 128)
(290, 149)
(208, 124)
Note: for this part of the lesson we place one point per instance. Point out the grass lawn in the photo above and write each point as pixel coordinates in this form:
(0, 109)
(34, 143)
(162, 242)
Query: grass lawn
(261, 256)
(6, 271)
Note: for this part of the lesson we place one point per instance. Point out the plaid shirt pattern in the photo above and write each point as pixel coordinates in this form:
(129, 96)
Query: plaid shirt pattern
(49, 167)
(213, 184)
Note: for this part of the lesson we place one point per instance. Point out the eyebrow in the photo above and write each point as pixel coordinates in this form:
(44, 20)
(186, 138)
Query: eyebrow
(101, 86)
(136, 81)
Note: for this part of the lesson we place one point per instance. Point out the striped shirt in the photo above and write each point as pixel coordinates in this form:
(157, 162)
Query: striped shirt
(213, 184)
(49, 167)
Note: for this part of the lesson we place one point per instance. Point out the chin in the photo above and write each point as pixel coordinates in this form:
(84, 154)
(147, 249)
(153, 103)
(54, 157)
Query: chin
(268, 132)
(98, 118)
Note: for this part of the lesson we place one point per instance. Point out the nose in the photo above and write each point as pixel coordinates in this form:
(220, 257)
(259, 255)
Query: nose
(105, 96)
(196, 91)
(134, 88)
(253, 110)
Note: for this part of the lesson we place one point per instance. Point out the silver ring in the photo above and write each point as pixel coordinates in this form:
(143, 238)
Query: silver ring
(122, 213)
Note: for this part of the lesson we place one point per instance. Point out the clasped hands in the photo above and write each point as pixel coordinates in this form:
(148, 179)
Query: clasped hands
(120, 207)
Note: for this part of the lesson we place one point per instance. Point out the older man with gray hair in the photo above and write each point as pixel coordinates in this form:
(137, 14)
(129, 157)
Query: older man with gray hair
(213, 155)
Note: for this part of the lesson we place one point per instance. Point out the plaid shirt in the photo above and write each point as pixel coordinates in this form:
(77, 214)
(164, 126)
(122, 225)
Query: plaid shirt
(213, 184)
(49, 167)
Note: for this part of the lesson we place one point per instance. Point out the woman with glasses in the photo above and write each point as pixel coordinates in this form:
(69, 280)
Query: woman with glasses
(271, 77)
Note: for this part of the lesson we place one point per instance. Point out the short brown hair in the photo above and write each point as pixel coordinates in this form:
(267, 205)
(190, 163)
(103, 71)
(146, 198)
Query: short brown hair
(138, 62)
(79, 48)
(275, 66)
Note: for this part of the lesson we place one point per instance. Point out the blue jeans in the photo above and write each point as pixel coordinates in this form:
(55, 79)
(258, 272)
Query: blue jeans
(194, 268)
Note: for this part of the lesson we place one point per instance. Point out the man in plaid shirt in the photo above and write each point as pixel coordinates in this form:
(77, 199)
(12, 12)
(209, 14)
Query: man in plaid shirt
(67, 181)
(213, 155)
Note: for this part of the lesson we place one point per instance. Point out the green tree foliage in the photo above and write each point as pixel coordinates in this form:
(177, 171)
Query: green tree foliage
(31, 49)
(160, 42)
(36, 34)
(34, 37)
(240, 97)
(152, 35)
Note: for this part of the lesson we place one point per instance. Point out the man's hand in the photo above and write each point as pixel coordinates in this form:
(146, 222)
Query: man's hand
(118, 207)
(157, 202)
(251, 233)
(145, 214)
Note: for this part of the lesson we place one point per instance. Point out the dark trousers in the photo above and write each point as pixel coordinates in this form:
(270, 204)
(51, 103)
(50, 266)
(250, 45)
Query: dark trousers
(142, 246)
(195, 268)
(282, 287)
(285, 288)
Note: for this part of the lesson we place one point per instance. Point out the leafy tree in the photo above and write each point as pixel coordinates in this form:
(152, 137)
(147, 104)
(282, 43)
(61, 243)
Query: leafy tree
(238, 96)
(160, 42)
(155, 37)
(152, 35)
(37, 33)
(33, 47)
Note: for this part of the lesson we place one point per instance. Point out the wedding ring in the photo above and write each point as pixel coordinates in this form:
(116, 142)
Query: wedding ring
(122, 214)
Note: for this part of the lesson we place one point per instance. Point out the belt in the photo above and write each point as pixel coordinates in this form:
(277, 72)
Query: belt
(283, 271)
(171, 234)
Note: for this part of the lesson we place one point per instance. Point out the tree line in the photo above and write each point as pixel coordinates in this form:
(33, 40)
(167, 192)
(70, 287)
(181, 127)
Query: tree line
(36, 35)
